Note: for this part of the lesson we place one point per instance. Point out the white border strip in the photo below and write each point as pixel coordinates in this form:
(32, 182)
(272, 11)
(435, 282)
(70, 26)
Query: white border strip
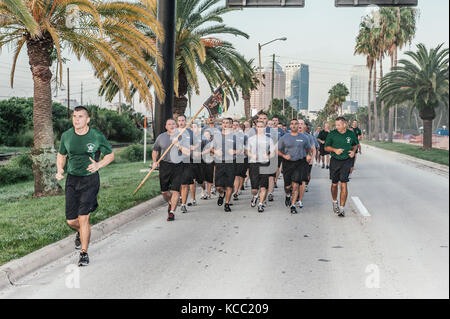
(361, 208)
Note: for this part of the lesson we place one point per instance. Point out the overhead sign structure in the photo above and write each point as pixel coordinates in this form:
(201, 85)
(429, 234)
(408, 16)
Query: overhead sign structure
(265, 3)
(379, 3)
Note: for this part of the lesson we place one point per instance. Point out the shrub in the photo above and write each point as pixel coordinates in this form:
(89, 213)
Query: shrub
(18, 169)
(25, 138)
(134, 153)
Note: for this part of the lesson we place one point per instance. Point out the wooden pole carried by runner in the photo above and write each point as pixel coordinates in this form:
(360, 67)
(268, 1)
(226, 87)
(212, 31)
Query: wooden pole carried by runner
(211, 105)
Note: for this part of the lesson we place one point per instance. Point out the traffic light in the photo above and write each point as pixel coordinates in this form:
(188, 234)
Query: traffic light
(379, 3)
(265, 3)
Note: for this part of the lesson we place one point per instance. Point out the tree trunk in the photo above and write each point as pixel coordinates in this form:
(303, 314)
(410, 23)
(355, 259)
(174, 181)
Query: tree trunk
(180, 102)
(391, 113)
(369, 107)
(43, 153)
(383, 114)
(375, 105)
(427, 115)
(247, 105)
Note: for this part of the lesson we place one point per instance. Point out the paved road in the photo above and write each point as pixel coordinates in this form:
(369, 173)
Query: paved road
(399, 252)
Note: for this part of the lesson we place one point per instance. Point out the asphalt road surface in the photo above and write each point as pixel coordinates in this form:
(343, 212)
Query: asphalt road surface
(400, 251)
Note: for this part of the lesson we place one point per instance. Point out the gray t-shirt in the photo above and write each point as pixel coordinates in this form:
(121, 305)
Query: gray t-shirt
(260, 148)
(224, 143)
(163, 142)
(295, 146)
(312, 140)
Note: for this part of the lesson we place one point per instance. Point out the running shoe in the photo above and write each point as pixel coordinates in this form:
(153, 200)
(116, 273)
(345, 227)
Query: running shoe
(227, 208)
(306, 188)
(254, 200)
(235, 197)
(270, 198)
(194, 203)
(336, 207)
(183, 209)
(260, 208)
(293, 210)
(299, 204)
(220, 200)
(328, 167)
(341, 213)
(323, 166)
(264, 204)
(84, 259)
(171, 217)
(77, 241)
(287, 201)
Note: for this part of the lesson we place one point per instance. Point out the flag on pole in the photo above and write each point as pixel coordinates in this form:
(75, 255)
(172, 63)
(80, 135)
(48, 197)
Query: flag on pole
(217, 102)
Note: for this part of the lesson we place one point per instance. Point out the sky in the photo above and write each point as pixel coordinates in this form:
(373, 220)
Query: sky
(319, 35)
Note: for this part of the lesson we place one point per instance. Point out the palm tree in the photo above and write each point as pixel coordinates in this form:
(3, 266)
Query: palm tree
(247, 81)
(400, 26)
(338, 95)
(105, 36)
(423, 82)
(197, 48)
(364, 47)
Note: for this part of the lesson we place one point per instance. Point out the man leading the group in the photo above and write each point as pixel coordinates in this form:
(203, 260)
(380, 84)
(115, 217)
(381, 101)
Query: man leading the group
(342, 144)
(81, 147)
(295, 149)
(171, 166)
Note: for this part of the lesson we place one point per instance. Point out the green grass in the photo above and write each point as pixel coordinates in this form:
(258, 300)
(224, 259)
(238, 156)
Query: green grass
(28, 224)
(13, 149)
(435, 155)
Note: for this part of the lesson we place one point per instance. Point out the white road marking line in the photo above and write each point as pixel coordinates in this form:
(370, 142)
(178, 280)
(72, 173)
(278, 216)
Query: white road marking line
(361, 208)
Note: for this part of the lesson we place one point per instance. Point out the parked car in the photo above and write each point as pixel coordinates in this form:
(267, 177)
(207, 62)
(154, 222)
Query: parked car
(442, 132)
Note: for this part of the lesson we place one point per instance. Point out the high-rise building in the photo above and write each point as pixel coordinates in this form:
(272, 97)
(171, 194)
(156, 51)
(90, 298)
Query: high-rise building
(359, 85)
(298, 94)
(260, 99)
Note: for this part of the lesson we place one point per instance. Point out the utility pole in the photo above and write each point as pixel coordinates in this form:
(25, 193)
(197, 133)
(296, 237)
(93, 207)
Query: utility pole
(82, 93)
(120, 102)
(68, 95)
(273, 84)
(166, 17)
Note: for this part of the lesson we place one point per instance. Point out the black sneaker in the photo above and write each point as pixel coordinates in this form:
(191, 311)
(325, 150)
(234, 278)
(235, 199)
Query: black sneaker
(171, 217)
(77, 241)
(235, 197)
(323, 166)
(293, 210)
(84, 259)
(328, 167)
(227, 208)
(254, 200)
(220, 200)
(287, 201)
(341, 214)
(183, 209)
(270, 198)
(260, 208)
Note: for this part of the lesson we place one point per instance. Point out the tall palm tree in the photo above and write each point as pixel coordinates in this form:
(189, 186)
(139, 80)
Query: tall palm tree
(364, 47)
(400, 26)
(102, 33)
(247, 81)
(424, 82)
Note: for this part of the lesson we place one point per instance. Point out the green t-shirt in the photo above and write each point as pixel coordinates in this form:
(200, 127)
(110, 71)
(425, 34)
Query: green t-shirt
(79, 148)
(357, 132)
(344, 141)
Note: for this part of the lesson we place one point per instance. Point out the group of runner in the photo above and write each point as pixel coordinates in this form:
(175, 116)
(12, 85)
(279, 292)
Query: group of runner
(220, 158)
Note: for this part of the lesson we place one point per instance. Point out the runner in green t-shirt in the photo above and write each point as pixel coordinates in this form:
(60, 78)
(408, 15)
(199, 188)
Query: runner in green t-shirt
(81, 147)
(358, 134)
(342, 144)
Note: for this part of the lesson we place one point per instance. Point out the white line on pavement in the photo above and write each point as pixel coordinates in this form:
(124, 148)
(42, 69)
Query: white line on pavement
(361, 208)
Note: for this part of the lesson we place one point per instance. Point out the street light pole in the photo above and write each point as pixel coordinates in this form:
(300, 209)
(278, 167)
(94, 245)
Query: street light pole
(260, 65)
(273, 84)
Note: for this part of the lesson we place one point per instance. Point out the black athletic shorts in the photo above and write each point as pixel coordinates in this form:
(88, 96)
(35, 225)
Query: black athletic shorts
(225, 174)
(187, 177)
(309, 170)
(280, 161)
(170, 176)
(322, 150)
(295, 172)
(340, 170)
(81, 195)
(208, 172)
(256, 178)
(199, 174)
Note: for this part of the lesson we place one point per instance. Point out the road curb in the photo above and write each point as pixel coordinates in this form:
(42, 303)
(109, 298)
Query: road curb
(11, 272)
(439, 167)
